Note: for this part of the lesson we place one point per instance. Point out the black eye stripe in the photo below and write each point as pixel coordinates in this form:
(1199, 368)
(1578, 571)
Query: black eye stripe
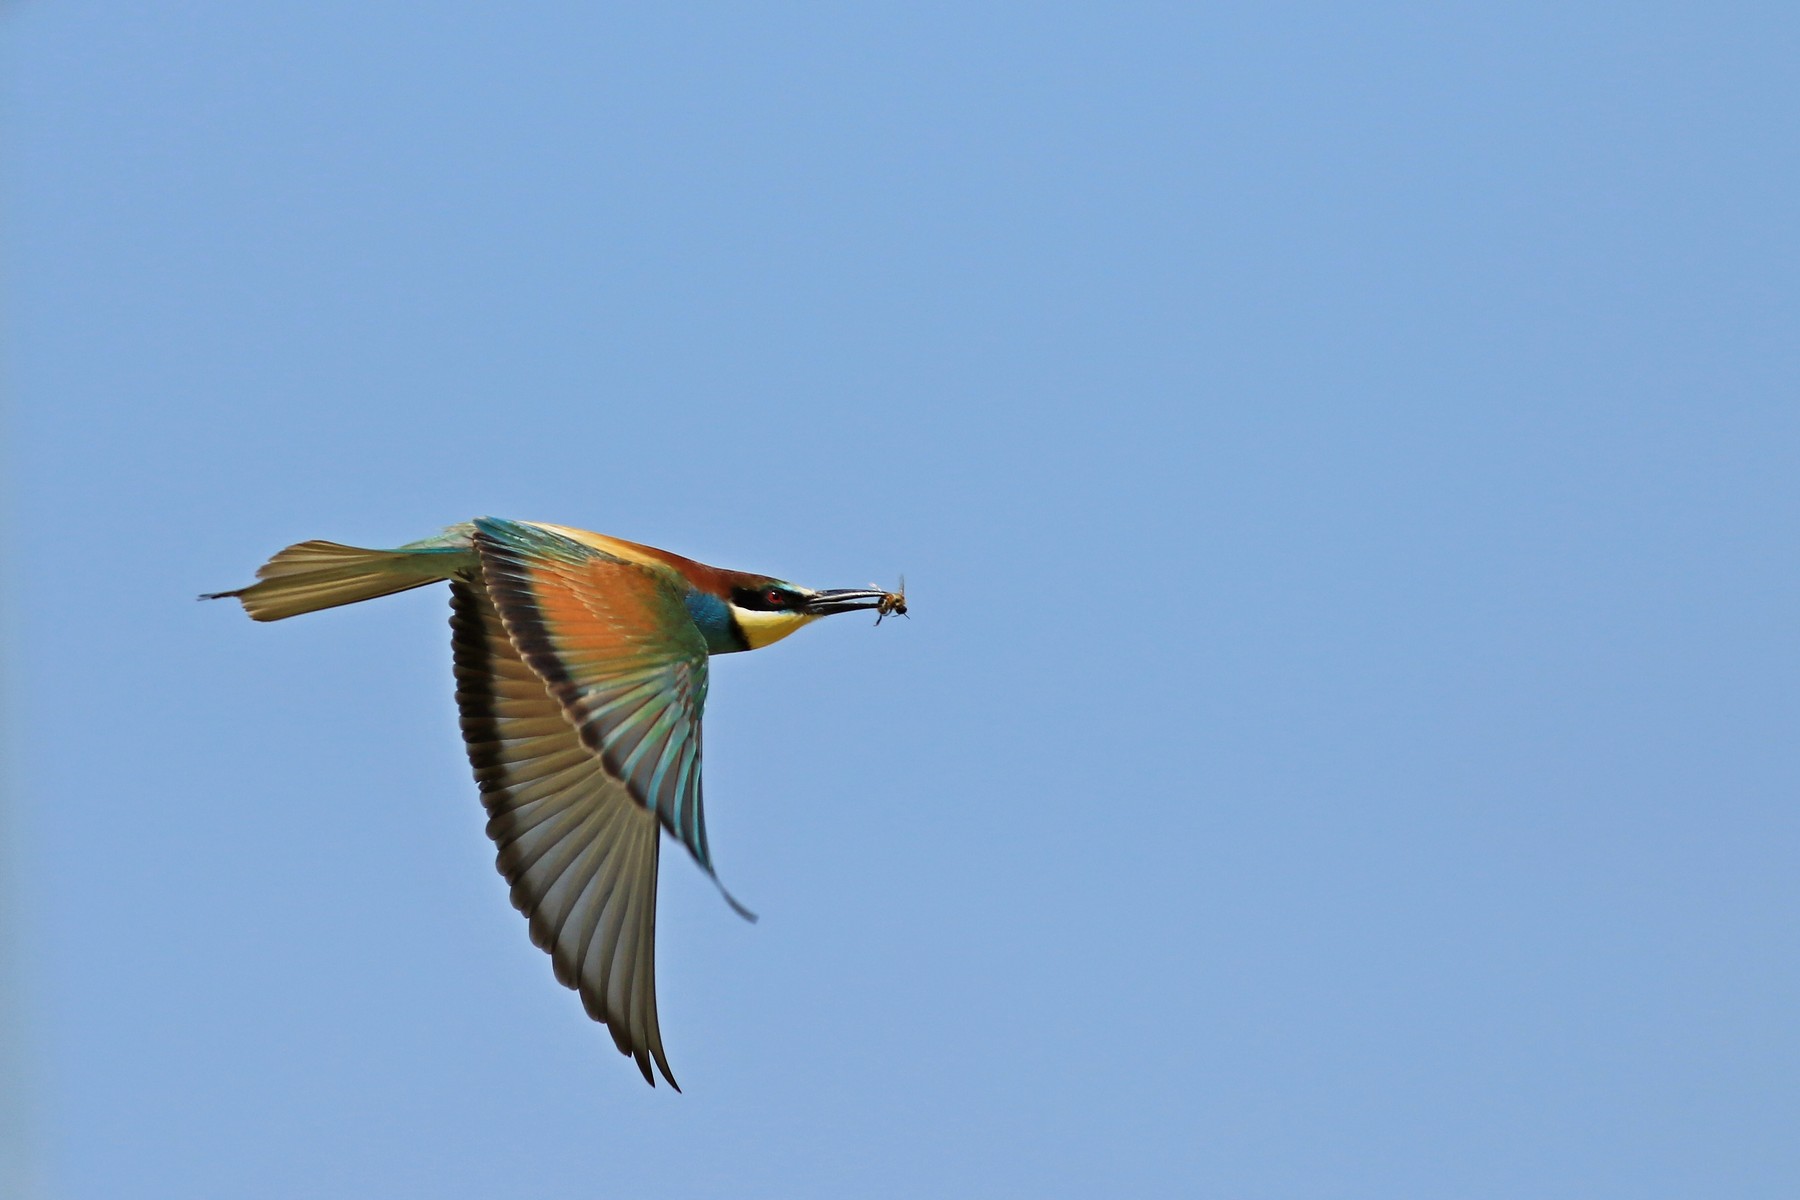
(766, 599)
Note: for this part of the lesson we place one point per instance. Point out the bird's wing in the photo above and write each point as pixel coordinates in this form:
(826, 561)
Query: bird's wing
(613, 641)
(578, 850)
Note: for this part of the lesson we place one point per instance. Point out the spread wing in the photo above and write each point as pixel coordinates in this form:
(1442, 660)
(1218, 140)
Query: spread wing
(613, 642)
(579, 850)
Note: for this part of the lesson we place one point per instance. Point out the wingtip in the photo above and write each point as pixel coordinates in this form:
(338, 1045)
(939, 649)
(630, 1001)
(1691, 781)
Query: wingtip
(643, 1065)
(736, 906)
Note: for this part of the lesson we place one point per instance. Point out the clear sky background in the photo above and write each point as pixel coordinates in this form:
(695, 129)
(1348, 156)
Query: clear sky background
(1344, 462)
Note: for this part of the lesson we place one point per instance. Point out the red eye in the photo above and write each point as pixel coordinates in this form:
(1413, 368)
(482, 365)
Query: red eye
(775, 598)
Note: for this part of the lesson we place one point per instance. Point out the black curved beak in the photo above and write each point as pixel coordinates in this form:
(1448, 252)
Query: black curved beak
(843, 600)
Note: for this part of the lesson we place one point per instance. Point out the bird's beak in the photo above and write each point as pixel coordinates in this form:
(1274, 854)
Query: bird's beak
(843, 600)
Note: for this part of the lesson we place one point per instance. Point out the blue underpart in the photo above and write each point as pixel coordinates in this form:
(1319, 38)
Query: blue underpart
(712, 616)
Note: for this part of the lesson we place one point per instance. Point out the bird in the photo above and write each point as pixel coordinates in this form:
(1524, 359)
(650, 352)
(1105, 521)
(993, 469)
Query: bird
(580, 662)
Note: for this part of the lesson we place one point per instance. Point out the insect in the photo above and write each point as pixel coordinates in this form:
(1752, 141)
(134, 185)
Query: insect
(892, 604)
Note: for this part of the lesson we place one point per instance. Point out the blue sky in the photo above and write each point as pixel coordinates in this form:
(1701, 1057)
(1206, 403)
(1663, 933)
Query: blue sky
(1343, 464)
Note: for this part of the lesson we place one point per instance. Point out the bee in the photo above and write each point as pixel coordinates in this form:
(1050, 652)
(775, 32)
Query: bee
(893, 604)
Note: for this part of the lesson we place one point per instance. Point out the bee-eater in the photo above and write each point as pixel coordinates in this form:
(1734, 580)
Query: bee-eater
(580, 665)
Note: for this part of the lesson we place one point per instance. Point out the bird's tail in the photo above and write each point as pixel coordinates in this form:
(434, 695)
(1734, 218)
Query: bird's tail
(313, 575)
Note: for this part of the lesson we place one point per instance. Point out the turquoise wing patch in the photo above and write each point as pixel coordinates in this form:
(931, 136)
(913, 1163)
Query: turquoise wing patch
(614, 643)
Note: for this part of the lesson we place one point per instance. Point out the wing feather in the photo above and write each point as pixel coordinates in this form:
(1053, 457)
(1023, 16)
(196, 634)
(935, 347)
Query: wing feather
(613, 641)
(578, 850)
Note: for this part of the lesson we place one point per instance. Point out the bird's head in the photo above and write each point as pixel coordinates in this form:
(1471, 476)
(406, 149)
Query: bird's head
(766, 610)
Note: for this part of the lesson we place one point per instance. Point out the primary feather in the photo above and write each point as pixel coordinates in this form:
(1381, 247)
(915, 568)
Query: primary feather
(577, 849)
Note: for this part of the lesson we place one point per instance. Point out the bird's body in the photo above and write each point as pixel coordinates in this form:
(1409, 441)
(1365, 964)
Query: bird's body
(581, 672)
